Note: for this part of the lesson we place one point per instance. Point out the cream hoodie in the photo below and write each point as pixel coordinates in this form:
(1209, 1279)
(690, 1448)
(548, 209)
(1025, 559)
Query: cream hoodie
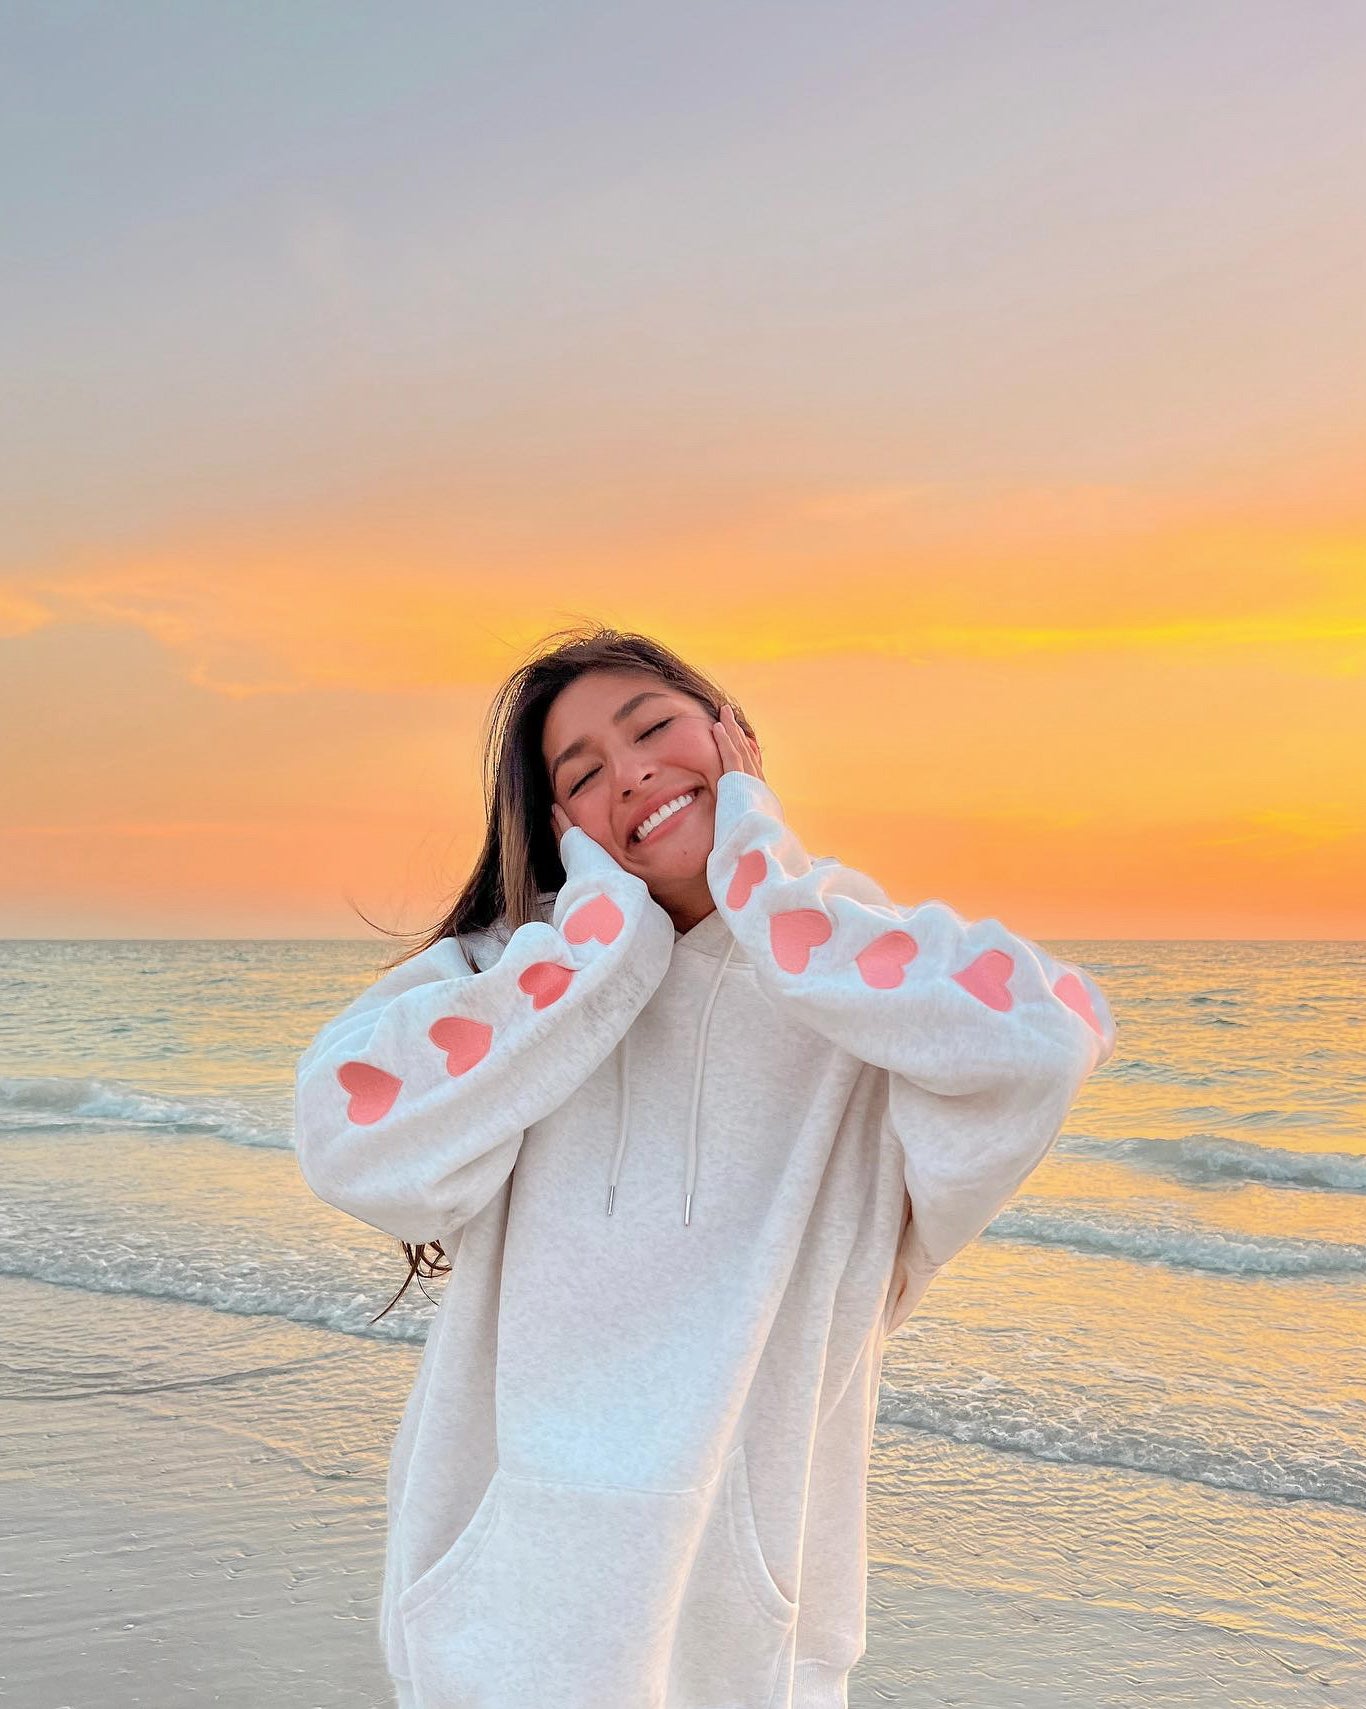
(632, 1470)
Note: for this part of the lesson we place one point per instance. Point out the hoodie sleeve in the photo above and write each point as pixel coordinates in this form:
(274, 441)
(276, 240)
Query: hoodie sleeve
(411, 1104)
(985, 1037)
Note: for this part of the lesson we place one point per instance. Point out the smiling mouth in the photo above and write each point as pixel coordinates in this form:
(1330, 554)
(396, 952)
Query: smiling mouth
(663, 825)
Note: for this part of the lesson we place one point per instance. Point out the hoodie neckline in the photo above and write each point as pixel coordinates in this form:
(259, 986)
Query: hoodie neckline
(712, 936)
(722, 959)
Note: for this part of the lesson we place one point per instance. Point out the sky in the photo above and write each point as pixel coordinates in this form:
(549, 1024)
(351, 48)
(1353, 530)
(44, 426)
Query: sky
(977, 390)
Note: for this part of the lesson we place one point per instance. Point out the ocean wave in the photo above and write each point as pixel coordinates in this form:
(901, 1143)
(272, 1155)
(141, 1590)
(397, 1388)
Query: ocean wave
(37, 1103)
(1221, 1115)
(1279, 1118)
(1215, 1251)
(1010, 1423)
(1207, 1160)
(1135, 1068)
(165, 1276)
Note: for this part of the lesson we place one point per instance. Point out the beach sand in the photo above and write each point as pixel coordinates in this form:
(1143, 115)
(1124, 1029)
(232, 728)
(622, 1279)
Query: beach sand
(194, 1515)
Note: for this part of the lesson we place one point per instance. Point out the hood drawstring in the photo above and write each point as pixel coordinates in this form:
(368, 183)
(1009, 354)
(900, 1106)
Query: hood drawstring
(624, 1075)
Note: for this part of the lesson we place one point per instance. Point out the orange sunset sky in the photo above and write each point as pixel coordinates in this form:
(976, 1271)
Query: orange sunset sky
(977, 391)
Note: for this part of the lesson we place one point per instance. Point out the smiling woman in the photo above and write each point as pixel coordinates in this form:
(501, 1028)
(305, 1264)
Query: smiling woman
(602, 725)
(635, 765)
(635, 1459)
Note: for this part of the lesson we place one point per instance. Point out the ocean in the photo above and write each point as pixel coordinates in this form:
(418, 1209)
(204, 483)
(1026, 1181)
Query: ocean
(1121, 1445)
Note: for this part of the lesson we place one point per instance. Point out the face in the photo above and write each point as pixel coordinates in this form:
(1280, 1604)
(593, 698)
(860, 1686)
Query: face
(635, 744)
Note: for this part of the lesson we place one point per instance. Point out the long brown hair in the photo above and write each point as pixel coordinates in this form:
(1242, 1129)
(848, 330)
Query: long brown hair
(520, 859)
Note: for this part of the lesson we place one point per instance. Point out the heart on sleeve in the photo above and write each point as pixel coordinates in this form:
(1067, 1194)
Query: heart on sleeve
(372, 1091)
(464, 1041)
(600, 919)
(986, 978)
(749, 871)
(883, 963)
(794, 934)
(1072, 992)
(545, 982)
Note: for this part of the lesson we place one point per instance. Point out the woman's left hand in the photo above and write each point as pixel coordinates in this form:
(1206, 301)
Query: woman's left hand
(739, 752)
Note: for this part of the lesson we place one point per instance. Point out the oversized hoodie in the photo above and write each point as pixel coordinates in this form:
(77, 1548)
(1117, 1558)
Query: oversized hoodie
(688, 1184)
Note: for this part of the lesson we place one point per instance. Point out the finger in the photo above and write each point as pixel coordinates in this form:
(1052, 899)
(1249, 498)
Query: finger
(730, 760)
(739, 739)
(734, 748)
(755, 764)
(725, 747)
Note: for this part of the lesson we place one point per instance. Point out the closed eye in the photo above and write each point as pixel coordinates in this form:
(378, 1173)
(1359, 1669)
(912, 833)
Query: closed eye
(640, 738)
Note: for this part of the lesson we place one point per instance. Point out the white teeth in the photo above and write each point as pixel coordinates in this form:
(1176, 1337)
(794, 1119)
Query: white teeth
(660, 815)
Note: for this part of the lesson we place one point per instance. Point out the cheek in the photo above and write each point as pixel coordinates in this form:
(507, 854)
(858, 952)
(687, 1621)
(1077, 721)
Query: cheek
(595, 819)
(696, 751)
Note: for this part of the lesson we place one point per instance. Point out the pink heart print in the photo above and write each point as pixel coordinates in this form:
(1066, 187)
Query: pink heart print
(600, 919)
(1072, 992)
(545, 982)
(372, 1091)
(464, 1041)
(883, 963)
(749, 871)
(986, 978)
(794, 934)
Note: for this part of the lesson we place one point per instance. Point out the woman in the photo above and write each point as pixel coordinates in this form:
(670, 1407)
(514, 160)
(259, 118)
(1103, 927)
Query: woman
(696, 1120)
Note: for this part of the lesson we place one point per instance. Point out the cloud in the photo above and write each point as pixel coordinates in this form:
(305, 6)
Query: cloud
(22, 613)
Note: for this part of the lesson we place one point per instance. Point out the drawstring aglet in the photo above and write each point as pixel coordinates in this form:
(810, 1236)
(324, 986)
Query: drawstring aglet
(610, 1192)
(687, 1208)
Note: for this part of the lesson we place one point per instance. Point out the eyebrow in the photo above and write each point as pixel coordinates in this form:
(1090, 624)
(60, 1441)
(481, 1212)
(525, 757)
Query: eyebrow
(625, 710)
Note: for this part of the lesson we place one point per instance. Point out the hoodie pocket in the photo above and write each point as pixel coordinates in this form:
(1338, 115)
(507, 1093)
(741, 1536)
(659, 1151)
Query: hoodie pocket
(441, 1578)
(768, 1596)
(738, 1624)
(589, 1595)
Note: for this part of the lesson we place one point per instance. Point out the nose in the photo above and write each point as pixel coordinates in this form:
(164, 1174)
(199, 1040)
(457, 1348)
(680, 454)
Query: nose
(633, 775)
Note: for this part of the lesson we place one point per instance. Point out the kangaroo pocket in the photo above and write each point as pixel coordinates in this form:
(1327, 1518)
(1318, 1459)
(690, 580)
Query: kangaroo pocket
(737, 1627)
(590, 1596)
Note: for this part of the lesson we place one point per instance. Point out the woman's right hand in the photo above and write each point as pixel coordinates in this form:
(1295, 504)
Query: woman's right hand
(560, 819)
